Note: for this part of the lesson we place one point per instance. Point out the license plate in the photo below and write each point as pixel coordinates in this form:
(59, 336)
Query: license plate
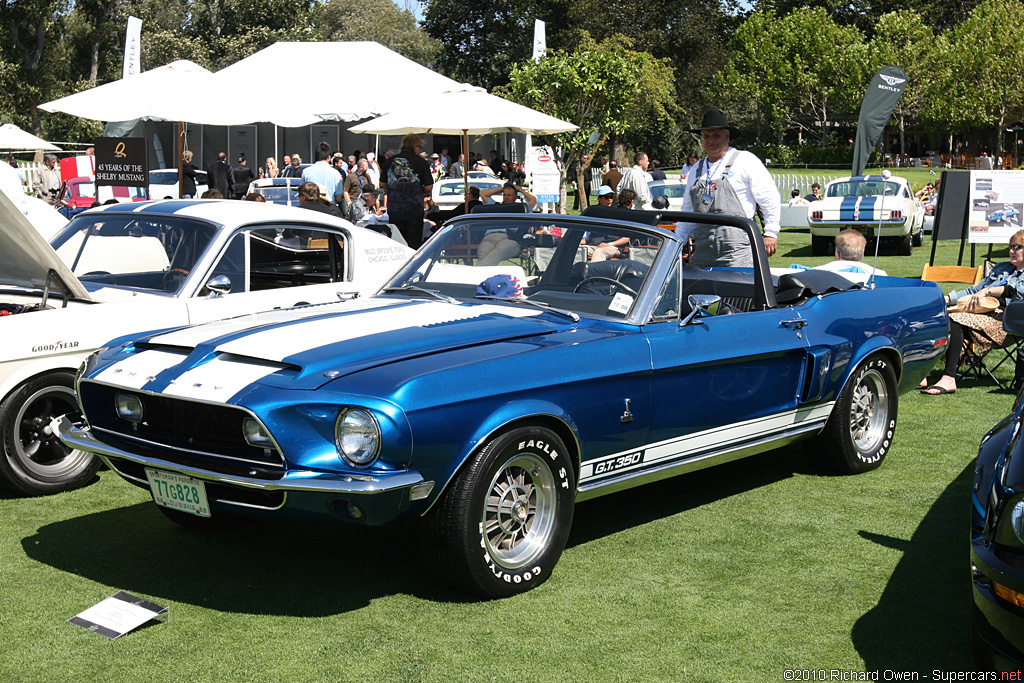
(178, 492)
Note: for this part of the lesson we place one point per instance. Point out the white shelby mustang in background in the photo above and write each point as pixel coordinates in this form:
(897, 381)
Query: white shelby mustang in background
(153, 265)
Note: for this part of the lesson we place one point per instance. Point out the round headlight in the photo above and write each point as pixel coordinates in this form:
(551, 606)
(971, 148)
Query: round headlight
(357, 436)
(1017, 519)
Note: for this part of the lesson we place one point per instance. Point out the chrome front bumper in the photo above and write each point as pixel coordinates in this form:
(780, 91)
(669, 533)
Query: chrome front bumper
(79, 437)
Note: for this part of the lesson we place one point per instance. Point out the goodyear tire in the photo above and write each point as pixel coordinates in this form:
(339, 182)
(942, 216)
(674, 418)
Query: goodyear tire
(33, 460)
(860, 431)
(501, 525)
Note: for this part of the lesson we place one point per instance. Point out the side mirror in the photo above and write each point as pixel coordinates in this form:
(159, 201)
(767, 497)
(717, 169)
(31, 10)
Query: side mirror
(218, 285)
(702, 305)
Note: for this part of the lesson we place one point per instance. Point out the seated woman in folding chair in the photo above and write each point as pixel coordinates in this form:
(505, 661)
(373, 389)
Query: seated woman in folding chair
(1006, 282)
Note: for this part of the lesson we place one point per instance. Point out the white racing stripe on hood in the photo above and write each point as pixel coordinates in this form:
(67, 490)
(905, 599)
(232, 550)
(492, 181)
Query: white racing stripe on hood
(217, 380)
(279, 343)
(190, 337)
(139, 368)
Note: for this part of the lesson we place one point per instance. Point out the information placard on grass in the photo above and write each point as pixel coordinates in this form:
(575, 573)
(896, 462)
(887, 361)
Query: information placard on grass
(117, 615)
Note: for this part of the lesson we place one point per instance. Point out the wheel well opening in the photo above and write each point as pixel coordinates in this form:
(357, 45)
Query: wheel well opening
(559, 427)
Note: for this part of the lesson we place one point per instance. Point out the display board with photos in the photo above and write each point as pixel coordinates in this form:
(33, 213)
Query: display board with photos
(996, 208)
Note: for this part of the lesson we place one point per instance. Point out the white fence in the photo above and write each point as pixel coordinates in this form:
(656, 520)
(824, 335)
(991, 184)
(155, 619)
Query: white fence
(787, 182)
(796, 216)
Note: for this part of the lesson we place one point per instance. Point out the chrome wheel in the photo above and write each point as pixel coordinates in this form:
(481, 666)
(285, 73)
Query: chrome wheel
(519, 513)
(868, 413)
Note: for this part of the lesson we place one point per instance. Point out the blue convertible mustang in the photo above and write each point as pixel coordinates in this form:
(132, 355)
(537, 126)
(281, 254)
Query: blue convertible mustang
(505, 373)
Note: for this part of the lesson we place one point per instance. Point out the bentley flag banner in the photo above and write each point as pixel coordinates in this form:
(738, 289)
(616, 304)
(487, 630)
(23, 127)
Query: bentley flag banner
(879, 101)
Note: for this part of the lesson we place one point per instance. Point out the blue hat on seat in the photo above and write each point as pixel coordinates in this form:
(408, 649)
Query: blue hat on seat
(503, 286)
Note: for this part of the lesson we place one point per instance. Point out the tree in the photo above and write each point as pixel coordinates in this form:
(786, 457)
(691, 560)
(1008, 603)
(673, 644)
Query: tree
(30, 25)
(481, 41)
(987, 47)
(606, 86)
(379, 20)
(800, 69)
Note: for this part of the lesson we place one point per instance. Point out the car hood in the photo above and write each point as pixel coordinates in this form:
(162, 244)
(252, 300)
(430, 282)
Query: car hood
(25, 257)
(309, 347)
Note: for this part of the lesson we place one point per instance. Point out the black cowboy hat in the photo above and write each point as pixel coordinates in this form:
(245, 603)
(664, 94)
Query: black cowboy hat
(715, 119)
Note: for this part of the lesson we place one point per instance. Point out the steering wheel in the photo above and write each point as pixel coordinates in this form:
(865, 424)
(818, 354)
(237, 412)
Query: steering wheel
(615, 284)
(180, 272)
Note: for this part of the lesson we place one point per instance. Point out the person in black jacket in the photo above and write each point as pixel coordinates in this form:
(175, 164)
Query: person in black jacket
(188, 183)
(241, 176)
(217, 174)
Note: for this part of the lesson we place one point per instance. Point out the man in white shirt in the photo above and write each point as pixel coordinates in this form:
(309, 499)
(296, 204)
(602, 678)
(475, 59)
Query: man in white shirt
(732, 182)
(636, 179)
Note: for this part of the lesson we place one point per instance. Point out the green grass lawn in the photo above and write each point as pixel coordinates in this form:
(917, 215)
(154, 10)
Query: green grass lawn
(736, 573)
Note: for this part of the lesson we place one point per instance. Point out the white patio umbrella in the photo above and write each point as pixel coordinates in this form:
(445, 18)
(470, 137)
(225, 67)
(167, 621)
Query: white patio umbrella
(465, 111)
(12, 137)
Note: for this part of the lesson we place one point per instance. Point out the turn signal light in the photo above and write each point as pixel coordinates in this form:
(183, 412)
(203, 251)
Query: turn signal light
(895, 215)
(816, 215)
(1011, 596)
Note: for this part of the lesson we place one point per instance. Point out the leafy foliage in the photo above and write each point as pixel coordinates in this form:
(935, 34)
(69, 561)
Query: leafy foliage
(988, 47)
(595, 87)
(378, 20)
(799, 70)
(481, 41)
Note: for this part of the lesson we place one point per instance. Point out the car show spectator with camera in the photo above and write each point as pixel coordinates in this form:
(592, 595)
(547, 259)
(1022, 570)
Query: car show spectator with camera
(731, 182)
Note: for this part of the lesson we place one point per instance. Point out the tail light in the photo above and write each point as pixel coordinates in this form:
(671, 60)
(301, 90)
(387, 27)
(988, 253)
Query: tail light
(895, 215)
(816, 215)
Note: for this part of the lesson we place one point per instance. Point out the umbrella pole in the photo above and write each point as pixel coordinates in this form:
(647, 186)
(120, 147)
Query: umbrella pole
(465, 167)
(181, 160)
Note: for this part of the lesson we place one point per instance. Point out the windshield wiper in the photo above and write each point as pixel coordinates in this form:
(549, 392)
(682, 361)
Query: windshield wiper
(420, 290)
(536, 304)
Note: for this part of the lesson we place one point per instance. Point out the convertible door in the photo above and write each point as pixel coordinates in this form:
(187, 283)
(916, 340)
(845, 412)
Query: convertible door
(727, 383)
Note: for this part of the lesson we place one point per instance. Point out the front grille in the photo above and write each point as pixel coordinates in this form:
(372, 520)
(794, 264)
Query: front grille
(180, 430)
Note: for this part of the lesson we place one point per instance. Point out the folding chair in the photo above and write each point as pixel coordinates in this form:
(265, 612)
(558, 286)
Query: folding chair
(973, 363)
(964, 274)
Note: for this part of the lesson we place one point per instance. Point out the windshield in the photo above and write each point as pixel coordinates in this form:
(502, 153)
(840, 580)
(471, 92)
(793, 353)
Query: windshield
(148, 253)
(449, 189)
(862, 188)
(588, 269)
(280, 194)
(86, 190)
(671, 191)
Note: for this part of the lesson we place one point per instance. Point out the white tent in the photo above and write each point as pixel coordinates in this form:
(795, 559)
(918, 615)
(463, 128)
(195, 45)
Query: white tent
(179, 91)
(339, 81)
(12, 137)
